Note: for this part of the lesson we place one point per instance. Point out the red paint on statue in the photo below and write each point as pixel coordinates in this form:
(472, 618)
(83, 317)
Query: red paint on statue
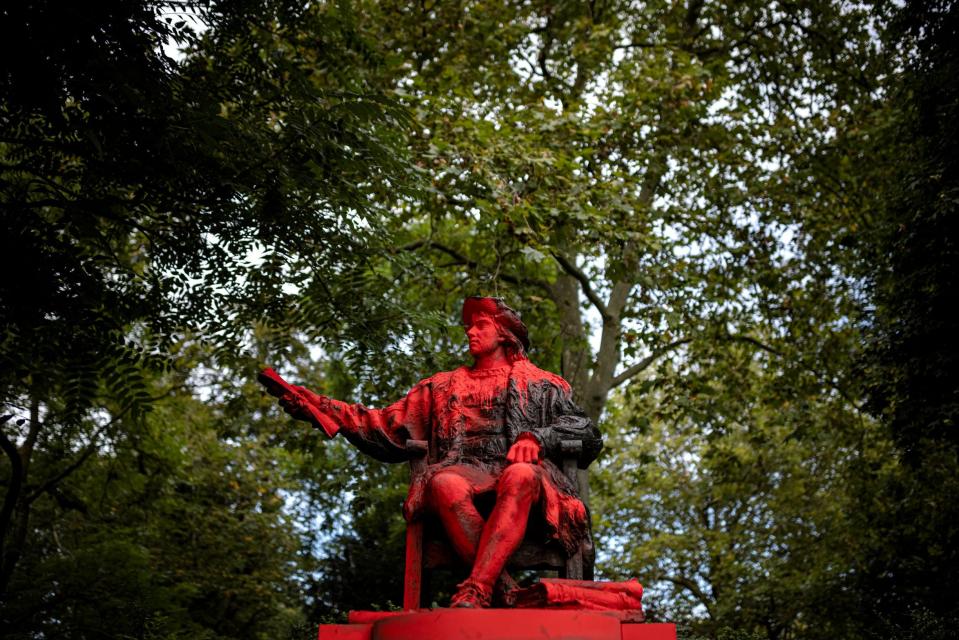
(554, 593)
(494, 428)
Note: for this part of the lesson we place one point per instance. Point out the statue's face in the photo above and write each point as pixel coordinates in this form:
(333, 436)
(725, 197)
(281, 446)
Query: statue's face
(484, 336)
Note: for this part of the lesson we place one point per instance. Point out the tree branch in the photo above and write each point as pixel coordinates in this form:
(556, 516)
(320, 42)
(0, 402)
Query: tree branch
(584, 283)
(643, 364)
(819, 375)
(52, 482)
(642, 45)
(753, 341)
(26, 451)
(472, 264)
(693, 588)
(693, 11)
(16, 482)
(73, 466)
(543, 55)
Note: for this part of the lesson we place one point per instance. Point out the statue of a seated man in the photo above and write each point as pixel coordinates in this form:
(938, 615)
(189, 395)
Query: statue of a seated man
(497, 427)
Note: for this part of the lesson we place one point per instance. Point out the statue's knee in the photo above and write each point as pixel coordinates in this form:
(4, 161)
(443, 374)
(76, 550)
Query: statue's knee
(518, 476)
(445, 488)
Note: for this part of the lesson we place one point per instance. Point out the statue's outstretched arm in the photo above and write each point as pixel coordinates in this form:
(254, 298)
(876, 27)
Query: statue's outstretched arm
(381, 433)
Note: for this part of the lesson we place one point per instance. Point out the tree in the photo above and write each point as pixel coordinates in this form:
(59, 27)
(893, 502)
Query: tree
(668, 181)
(146, 200)
(880, 566)
(173, 527)
(645, 164)
(666, 188)
(680, 198)
(911, 367)
(736, 489)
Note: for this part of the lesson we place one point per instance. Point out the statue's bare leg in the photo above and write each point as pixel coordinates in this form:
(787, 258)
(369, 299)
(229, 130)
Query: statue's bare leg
(517, 491)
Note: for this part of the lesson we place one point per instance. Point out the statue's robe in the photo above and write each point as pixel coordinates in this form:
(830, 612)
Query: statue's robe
(471, 419)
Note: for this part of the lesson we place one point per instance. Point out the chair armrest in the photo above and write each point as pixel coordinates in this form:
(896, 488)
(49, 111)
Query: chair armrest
(571, 451)
(568, 447)
(417, 448)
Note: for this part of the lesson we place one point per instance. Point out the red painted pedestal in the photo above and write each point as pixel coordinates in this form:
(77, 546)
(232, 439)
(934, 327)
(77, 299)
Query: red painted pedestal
(494, 624)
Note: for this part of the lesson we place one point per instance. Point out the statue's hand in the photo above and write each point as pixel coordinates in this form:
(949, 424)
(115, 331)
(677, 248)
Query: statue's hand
(525, 449)
(295, 405)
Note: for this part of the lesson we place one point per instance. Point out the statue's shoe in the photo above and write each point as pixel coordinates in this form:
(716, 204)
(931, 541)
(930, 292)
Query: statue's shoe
(471, 595)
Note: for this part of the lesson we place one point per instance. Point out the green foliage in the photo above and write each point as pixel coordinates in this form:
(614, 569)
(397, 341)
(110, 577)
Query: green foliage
(733, 221)
(148, 203)
(914, 257)
(912, 366)
(662, 163)
(175, 529)
(704, 175)
(735, 488)
(144, 198)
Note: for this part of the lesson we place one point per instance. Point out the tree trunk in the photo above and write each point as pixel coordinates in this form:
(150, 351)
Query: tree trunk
(575, 344)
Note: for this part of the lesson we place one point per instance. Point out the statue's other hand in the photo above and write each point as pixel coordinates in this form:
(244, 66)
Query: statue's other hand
(525, 449)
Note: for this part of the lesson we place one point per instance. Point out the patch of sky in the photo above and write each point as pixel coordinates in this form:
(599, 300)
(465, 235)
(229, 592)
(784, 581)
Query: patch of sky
(192, 19)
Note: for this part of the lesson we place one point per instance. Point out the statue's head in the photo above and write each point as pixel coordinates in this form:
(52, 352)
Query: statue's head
(509, 327)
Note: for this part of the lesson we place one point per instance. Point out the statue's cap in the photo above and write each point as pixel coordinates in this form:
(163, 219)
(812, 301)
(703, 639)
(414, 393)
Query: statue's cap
(498, 309)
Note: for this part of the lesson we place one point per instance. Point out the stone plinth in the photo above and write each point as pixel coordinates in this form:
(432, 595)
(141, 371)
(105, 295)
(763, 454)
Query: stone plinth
(495, 624)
